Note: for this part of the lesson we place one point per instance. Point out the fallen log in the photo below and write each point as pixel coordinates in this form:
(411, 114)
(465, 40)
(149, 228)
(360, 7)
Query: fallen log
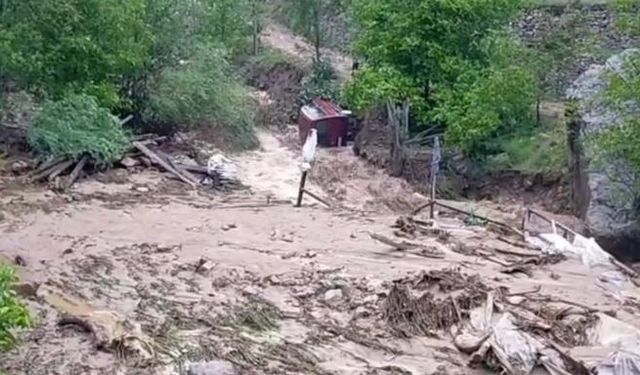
(401, 246)
(173, 165)
(57, 170)
(158, 160)
(75, 173)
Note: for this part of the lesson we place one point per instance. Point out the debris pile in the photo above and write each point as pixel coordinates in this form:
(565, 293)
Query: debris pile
(63, 172)
(446, 299)
(511, 333)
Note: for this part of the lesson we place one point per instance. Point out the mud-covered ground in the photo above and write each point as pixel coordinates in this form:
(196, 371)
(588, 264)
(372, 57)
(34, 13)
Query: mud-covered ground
(135, 274)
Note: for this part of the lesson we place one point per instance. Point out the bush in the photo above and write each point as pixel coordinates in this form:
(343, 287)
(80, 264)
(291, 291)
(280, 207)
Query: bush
(204, 91)
(321, 83)
(13, 314)
(77, 125)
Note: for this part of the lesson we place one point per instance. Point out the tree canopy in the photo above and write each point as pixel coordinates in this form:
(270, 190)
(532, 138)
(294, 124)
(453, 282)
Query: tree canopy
(452, 60)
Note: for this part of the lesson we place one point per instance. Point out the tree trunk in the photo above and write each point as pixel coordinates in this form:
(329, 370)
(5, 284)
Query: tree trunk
(399, 123)
(318, 38)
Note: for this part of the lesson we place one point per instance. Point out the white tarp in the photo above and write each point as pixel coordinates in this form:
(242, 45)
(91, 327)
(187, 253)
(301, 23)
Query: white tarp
(309, 150)
(221, 165)
(586, 249)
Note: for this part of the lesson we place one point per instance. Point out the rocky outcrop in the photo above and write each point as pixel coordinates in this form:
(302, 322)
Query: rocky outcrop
(603, 187)
(577, 35)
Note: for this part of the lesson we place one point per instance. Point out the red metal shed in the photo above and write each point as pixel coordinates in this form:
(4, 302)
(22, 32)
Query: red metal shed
(331, 123)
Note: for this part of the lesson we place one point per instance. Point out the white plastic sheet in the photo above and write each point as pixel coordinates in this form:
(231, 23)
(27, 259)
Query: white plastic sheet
(309, 149)
(221, 165)
(586, 249)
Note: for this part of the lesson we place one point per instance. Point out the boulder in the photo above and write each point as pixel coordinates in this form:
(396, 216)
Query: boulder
(603, 187)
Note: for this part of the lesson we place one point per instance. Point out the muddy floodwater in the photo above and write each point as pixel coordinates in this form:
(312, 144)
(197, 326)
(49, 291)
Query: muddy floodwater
(140, 275)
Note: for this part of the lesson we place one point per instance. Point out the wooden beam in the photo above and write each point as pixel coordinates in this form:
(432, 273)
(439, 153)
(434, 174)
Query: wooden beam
(158, 160)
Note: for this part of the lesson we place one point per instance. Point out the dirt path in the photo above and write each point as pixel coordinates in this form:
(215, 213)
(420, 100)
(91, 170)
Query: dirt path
(280, 38)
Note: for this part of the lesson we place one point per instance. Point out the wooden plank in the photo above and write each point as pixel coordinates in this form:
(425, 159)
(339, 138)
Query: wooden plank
(45, 166)
(312, 195)
(76, 171)
(461, 211)
(402, 246)
(55, 172)
(158, 160)
(173, 165)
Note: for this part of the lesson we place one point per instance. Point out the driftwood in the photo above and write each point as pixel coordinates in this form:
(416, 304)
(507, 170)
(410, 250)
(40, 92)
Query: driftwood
(57, 170)
(76, 171)
(470, 214)
(401, 246)
(158, 160)
(312, 195)
(173, 165)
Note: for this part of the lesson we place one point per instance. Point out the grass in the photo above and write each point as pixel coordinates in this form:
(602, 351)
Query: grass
(542, 152)
(13, 314)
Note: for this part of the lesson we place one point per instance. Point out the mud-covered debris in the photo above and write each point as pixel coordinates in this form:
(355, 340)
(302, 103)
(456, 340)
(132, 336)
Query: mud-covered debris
(26, 289)
(333, 296)
(204, 266)
(19, 261)
(257, 315)
(448, 298)
(110, 331)
(20, 167)
(211, 368)
(129, 162)
(228, 227)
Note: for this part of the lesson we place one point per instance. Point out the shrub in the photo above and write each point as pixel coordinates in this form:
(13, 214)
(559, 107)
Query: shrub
(13, 314)
(321, 83)
(204, 91)
(77, 125)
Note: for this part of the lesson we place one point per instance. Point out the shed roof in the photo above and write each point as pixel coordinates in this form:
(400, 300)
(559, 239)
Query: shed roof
(320, 109)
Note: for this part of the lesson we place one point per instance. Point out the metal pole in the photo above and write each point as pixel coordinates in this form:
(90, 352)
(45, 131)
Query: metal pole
(303, 181)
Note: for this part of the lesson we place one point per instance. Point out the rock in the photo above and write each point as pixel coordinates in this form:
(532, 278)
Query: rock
(19, 261)
(227, 227)
(601, 197)
(19, 167)
(333, 296)
(27, 289)
(211, 368)
(129, 163)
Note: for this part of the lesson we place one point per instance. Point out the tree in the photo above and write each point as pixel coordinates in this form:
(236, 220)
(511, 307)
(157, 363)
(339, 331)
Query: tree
(451, 60)
(66, 46)
(306, 19)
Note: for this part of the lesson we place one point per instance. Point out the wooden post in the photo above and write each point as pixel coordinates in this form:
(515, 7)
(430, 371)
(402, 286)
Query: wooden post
(433, 194)
(303, 181)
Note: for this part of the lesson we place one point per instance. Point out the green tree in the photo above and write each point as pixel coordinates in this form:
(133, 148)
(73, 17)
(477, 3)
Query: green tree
(72, 45)
(451, 60)
(305, 18)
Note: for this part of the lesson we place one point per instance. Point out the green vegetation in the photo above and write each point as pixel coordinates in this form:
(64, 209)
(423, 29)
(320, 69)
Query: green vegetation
(621, 142)
(455, 64)
(167, 62)
(77, 125)
(322, 82)
(13, 314)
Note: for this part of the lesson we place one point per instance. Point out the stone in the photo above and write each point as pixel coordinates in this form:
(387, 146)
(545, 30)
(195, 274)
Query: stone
(211, 368)
(19, 167)
(129, 162)
(602, 187)
(26, 289)
(333, 296)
